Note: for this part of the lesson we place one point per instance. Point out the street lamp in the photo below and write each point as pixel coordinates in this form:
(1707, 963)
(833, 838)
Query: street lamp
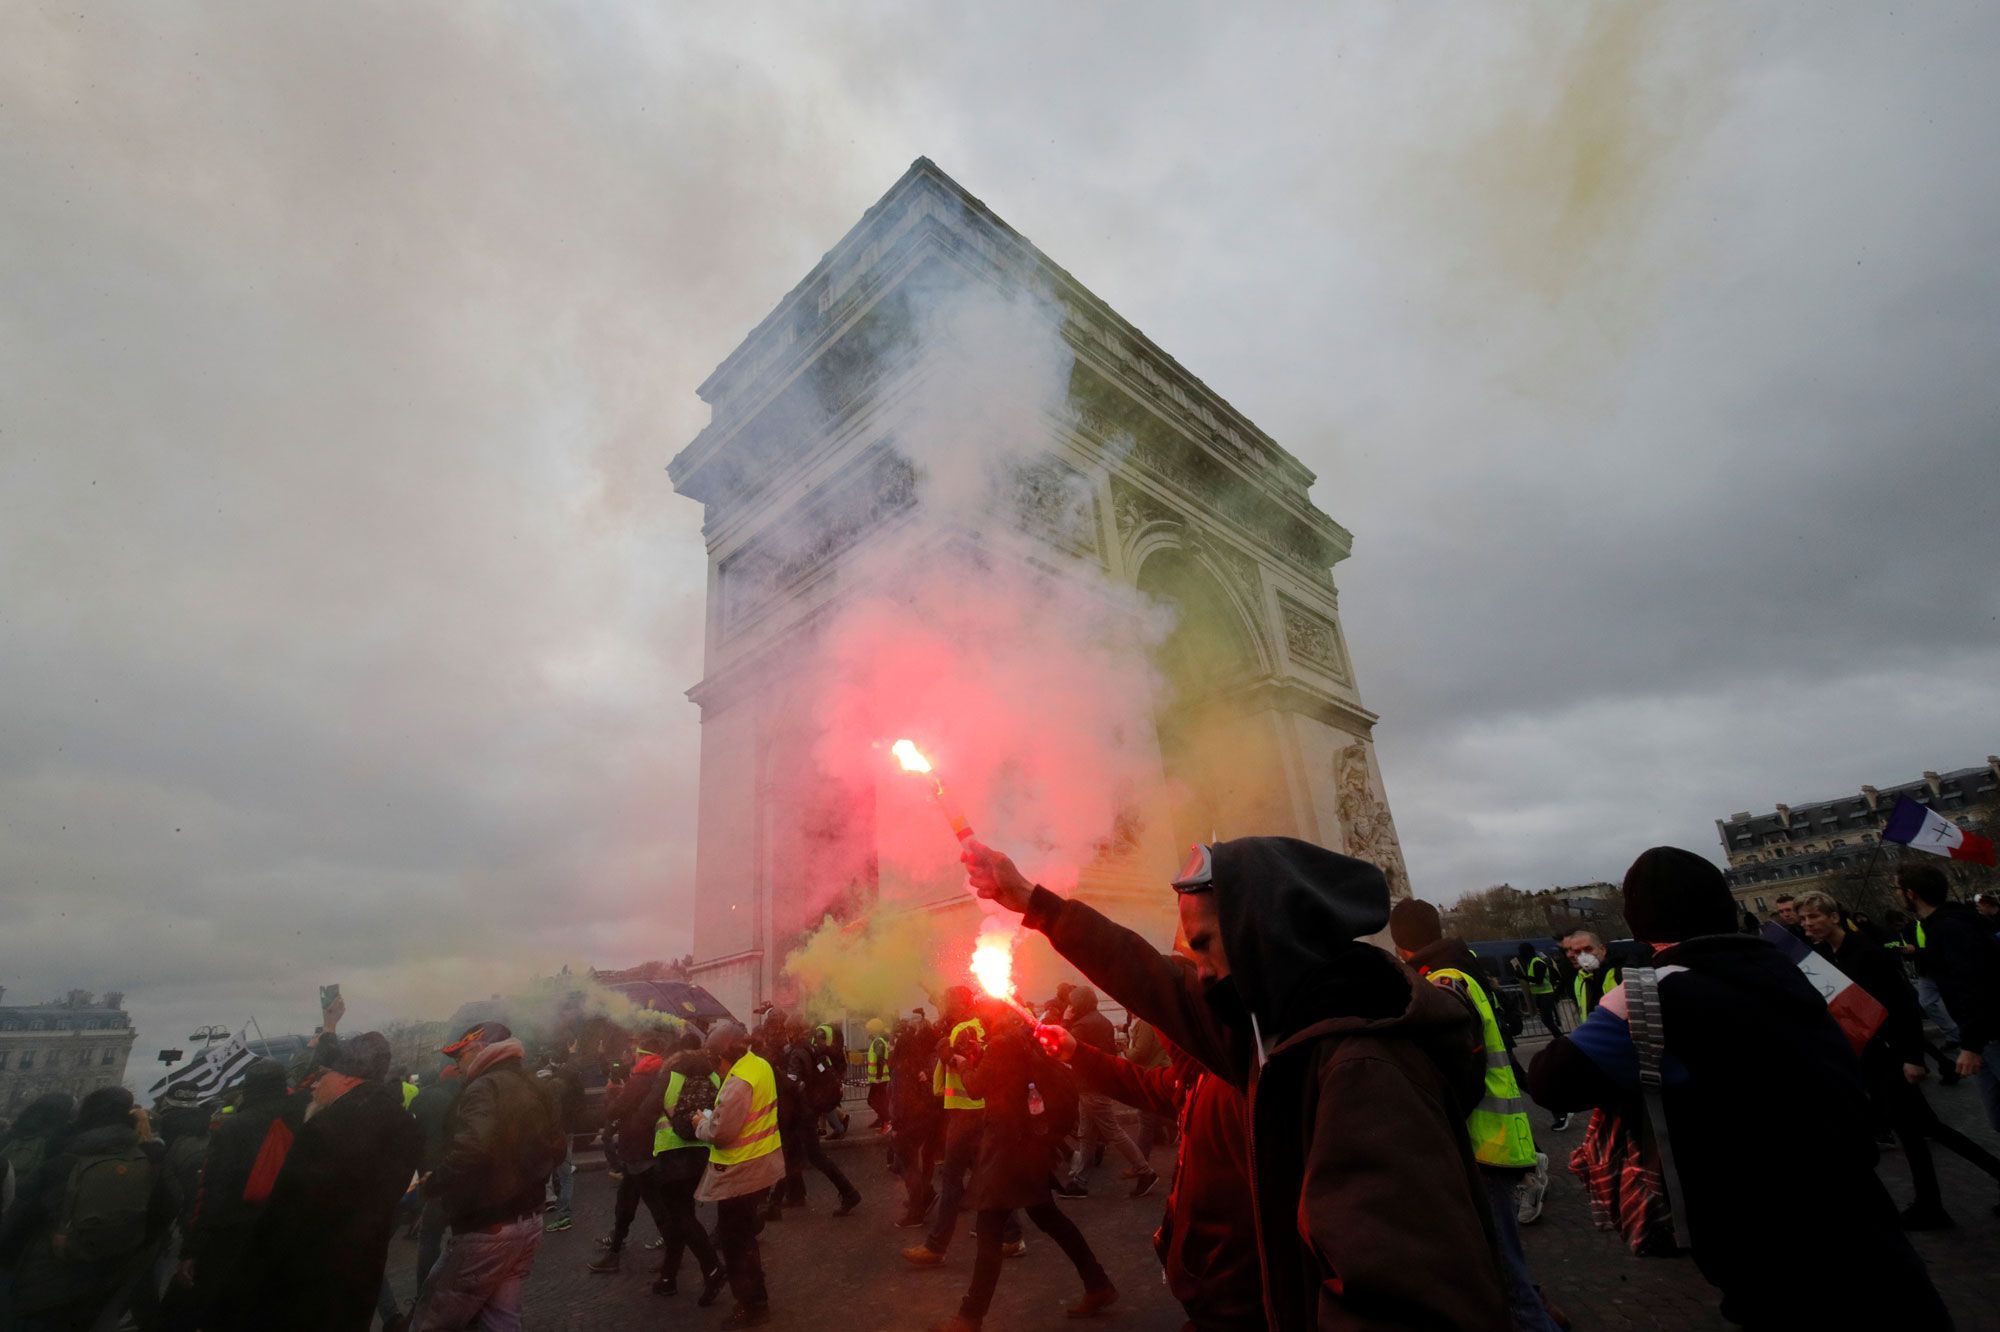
(209, 1035)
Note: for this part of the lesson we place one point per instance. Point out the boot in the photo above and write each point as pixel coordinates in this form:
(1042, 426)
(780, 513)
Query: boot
(848, 1204)
(712, 1284)
(1094, 1301)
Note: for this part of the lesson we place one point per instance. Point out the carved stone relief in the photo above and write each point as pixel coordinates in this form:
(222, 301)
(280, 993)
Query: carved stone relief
(1364, 818)
(754, 576)
(1312, 638)
(1054, 501)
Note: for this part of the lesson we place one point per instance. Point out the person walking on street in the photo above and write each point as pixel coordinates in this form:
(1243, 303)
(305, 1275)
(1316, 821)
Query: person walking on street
(321, 1242)
(876, 1071)
(1018, 1147)
(245, 1154)
(1740, 1024)
(432, 1110)
(573, 1109)
(502, 1142)
(632, 1120)
(1538, 974)
(689, 1087)
(1359, 1077)
(965, 1120)
(1963, 959)
(918, 1114)
(1100, 1116)
(86, 1220)
(1503, 1142)
(745, 1161)
(1892, 1064)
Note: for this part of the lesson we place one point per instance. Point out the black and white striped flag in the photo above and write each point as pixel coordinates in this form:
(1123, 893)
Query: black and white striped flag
(212, 1070)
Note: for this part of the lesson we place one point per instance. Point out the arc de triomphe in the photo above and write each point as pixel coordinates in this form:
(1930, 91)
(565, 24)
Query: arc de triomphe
(1152, 482)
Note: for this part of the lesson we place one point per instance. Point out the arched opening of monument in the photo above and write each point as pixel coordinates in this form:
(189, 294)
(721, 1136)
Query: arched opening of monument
(1219, 753)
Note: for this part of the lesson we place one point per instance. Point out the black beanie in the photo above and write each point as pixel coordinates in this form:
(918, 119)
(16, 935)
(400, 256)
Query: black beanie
(1671, 895)
(1414, 925)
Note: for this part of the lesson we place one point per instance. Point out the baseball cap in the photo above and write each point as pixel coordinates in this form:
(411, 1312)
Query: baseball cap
(1198, 875)
(484, 1032)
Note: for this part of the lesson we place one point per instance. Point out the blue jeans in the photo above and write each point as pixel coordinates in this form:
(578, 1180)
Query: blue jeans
(1932, 1003)
(1524, 1306)
(566, 1178)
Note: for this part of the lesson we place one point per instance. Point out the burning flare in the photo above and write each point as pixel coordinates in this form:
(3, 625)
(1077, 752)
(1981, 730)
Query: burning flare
(913, 760)
(910, 756)
(993, 965)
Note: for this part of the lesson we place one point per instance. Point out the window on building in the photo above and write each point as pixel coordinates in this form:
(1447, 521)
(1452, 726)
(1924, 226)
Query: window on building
(1760, 904)
(108, 1058)
(1837, 843)
(27, 1059)
(3, 1057)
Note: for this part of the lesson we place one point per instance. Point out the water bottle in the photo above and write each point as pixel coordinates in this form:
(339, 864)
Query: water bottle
(1035, 1106)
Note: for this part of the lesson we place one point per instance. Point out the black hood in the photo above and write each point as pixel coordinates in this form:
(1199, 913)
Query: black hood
(1290, 914)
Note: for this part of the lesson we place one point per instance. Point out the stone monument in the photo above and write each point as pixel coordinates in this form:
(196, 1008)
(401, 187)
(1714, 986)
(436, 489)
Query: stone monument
(1150, 481)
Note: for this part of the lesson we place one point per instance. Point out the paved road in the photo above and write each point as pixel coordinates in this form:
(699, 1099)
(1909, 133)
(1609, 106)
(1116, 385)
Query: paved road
(844, 1275)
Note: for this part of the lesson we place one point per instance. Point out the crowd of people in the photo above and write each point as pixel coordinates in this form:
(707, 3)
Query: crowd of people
(1355, 1142)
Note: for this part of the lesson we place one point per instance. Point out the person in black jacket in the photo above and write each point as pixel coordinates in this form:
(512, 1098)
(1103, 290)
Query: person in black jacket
(1893, 1062)
(689, 1082)
(918, 1115)
(432, 1110)
(1017, 1152)
(502, 1142)
(1742, 1025)
(245, 1154)
(316, 1257)
(630, 1118)
(1961, 955)
(58, 1291)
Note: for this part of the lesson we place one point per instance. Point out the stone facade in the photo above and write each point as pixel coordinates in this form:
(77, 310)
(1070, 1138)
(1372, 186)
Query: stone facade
(1831, 845)
(1149, 480)
(73, 1045)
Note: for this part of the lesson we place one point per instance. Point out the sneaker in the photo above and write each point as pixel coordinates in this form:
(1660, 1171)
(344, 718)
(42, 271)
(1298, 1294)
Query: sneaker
(1013, 1248)
(605, 1265)
(1071, 1190)
(667, 1285)
(909, 1222)
(605, 1241)
(747, 1315)
(1144, 1184)
(1560, 1123)
(1926, 1218)
(922, 1256)
(1093, 1301)
(711, 1285)
(560, 1223)
(1533, 1189)
(657, 1243)
(847, 1205)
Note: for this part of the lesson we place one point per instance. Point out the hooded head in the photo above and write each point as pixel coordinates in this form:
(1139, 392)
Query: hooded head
(104, 1107)
(1082, 1001)
(1277, 916)
(365, 1057)
(1672, 895)
(1414, 926)
(958, 1003)
(1526, 951)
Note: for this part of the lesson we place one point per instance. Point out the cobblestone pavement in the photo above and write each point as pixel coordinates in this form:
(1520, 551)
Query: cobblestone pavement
(832, 1274)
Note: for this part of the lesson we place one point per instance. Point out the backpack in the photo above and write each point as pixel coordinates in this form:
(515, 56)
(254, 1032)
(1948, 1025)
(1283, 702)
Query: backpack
(104, 1207)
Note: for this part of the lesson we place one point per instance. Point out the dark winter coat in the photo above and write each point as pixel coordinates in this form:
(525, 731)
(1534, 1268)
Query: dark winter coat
(246, 1153)
(1370, 1210)
(1960, 954)
(1901, 1038)
(1744, 1027)
(1016, 1154)
(696, 1067)
(631, 1117)
(316, 1257)
(502, 1143)
(914, 1107)
(1207, 1241)
(58, 1288)
(185, 1136)
(1089, 1026)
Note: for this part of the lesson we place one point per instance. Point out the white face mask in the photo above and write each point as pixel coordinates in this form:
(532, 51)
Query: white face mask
(1587, 962)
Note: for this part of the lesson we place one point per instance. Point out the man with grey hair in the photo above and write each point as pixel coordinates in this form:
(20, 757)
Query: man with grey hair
(745, 1158)
(1595, 976)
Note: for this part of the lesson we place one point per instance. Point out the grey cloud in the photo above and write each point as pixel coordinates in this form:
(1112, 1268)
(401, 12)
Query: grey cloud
(342, 349)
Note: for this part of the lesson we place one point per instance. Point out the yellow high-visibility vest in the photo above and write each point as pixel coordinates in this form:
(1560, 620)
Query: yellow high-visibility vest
(1499, 1123)
(878, 1060)
(1610, 975)
(1539, 979)
(946, 1082)
(759, 1134)
(665, 1137)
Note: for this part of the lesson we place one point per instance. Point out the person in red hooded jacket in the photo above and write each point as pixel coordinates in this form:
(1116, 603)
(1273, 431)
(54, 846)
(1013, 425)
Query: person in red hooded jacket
(633, 1114)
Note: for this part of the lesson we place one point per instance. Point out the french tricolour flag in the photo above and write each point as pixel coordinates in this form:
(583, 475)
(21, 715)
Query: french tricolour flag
(1925, 829)
(1856, 1010)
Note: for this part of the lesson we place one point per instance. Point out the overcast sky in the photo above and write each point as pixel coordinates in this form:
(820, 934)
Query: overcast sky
(1649, 351)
